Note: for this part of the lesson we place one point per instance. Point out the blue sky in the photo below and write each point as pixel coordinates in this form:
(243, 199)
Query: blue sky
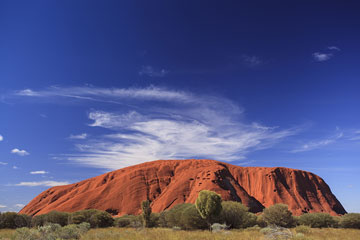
(92, 86)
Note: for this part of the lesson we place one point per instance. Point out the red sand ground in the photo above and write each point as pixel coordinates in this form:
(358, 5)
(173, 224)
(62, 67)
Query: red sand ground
(169, 182)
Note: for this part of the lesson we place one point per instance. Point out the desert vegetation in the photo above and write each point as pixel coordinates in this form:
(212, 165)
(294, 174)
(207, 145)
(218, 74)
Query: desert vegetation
(208, 218)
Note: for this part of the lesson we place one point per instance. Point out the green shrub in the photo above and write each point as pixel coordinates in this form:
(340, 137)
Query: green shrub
(234, 214)
(70, 232)
(123, 221)
(350, 220)
(22, 220)
(12, 220)
(184, 216)
(49, 231)
(191, 219)
(260, 221)
(209, 206)
(26, 234)
(250, 220)
(77, 218)
(38, 221)
(101, 220)
(60, 218)
(162, 219)
(171, 218)
(128, 221)
(86, 216)
(154, 219)
(278, 215)
(317, 220)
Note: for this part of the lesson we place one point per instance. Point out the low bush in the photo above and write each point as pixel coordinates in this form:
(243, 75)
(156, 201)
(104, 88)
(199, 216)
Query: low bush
(26, 234)
(55, 217)
(38, 221)
(171, 218)
(101, 220)
(185, 216)
(191, 219)
(317, 220)
(234, 214)
(260, 221)
(278, 215)
(52, 231)
(13, 220)
(95, 218)
(123, 221)
(60, 218)
(49, 231)
(350, 220)
(250, 220)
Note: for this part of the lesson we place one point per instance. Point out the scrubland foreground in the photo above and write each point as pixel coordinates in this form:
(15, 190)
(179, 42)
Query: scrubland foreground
(170, 234)
(208, 218)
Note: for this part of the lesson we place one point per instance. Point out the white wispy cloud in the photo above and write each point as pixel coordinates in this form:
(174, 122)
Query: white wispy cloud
(108, 95)
(355, 135)
(19, 152)
(38, 172)
(2, 206)
(334, 48)
(322, 57)
(326, 55)
(19, 205)
(1, 138)
(79, 136)
(15, 167)
(318, 144)
(151, 72)
(158, 123)
(251, 60)
(3, 163)
(41, 183)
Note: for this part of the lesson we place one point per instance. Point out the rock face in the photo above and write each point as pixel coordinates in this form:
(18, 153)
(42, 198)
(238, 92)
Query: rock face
(169, 182)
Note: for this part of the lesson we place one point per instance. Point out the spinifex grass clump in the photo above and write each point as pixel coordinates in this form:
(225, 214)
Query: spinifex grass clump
(52, 231)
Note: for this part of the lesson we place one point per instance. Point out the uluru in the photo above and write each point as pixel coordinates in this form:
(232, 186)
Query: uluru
(167, 183)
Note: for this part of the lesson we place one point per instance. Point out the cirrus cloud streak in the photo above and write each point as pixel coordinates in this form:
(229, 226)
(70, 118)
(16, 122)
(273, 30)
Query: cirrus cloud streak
(158, 123)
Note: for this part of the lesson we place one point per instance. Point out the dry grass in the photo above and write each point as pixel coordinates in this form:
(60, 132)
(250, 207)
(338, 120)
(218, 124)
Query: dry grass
(168, 234)
(6, 233)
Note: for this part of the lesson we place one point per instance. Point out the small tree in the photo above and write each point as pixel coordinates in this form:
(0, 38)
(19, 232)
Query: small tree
(146, 213)
(208, 205)
(278, 215)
